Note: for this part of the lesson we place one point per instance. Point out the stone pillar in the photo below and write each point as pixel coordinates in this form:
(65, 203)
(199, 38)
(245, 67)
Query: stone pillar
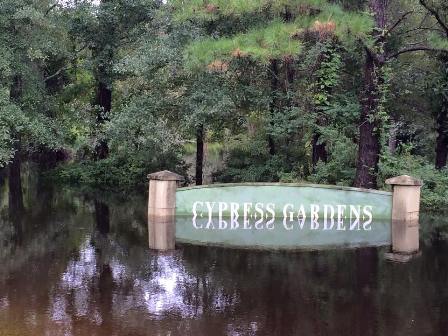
(405, 213)
(162, 209)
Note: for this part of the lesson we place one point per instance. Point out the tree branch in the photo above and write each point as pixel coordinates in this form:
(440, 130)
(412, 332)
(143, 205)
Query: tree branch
(65, 67)
(50, 9)
(436, 15)
(400, 19)
(422, 28)
(412, 49)
(46, 79)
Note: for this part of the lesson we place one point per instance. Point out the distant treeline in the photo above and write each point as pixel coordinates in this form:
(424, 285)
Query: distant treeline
(340, 92)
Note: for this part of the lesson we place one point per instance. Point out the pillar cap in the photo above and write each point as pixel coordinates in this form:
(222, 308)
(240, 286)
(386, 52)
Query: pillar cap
(404, 180)
(165, 175)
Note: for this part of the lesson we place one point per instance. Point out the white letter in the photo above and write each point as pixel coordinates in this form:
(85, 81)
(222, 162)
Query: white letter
(222, 206)
(326, 207)
(270, 208)
(341, 209)
(259, 209)
(285, 216)
(301, 216)
(234, 215)
(246, 212)
(356, 212)
(210, 214)
(368, 212)
(195, 214)
(314, 216)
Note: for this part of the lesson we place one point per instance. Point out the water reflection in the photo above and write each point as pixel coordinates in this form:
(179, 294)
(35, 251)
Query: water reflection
(283, 234)
(102, 217)
(15, 186)
(83, 268)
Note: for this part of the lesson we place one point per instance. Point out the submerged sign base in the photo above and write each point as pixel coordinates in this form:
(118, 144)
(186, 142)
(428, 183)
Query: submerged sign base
(283, 216)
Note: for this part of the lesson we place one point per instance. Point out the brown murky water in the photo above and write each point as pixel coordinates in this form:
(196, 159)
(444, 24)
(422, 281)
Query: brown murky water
(78, 266)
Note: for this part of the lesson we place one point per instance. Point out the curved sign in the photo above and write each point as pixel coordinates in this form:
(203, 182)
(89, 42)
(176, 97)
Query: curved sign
(283, 215)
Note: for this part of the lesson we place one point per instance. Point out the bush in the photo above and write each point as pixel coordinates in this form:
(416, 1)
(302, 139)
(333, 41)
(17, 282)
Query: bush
(248, 160)
(116, 173)
(434, 195)
(341, 165)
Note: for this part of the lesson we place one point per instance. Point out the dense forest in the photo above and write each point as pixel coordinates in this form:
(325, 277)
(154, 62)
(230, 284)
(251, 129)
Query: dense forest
(101, 93)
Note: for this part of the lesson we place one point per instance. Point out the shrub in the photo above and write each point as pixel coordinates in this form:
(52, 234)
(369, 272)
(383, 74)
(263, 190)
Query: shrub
(434, 194)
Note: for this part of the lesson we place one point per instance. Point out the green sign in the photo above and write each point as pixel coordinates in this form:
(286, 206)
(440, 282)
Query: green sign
(283, 215)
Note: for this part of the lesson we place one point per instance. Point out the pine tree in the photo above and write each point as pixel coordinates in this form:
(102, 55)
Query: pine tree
(274, 37)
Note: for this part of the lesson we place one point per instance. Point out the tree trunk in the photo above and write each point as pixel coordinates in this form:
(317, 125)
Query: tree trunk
(369, 142)
(319, 150)
(104, 100)
(392, 143)
(369, 139)
(14, 168)
(442, 139)
(442, 127)
(15, 185)
(273, 106)
(199, 153)
(290, 74)
(3, 175)
(102, 217)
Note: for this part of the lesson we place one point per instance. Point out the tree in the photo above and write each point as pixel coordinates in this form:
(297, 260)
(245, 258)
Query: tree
(276, 42)
(30, 43)
(371, 99)
(324, 78)
(439, 12)
(104, 30)
(385, 48)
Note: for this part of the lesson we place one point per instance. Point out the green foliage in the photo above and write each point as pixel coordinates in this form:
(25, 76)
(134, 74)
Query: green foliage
(438, 42)
(33, 127)
(249, 161)
(117, 173)
(6, 139)
(341, 165)
(275, 40)
(306, 11)
(434, 194)
(327, 76)
(210, 10)
(130, 136)
(30, 43)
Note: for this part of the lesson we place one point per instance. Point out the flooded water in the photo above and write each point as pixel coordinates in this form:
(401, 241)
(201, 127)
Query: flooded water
(74, 265)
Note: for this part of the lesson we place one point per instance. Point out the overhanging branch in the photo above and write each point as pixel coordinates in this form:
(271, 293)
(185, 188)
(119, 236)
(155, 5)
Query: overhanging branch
(413, 49)
(400, 19)
(436, 15)
(65, 67)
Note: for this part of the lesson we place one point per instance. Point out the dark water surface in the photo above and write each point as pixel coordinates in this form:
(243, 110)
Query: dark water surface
(71, 265)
